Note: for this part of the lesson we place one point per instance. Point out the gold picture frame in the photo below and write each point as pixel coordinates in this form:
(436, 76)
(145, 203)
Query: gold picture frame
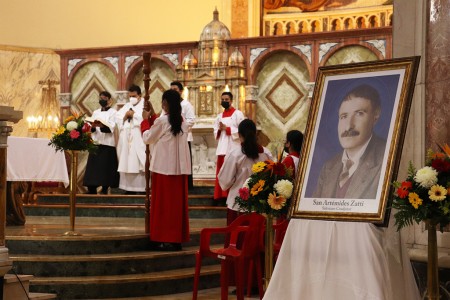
(370, 132)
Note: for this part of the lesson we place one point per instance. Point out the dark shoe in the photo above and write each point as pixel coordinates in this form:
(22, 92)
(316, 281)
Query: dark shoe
(130, 193)
(220, 202)
(166, 246)
(253, 291)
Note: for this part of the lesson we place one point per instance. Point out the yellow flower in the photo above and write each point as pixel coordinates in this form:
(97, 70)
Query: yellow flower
(275, 202)
(258, 167)
(258, 187)
(437, 193)
(415, 200)
(60, 130)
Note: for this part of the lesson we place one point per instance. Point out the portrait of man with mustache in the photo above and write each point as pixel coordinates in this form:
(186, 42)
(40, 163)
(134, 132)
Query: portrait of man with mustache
(354, 173)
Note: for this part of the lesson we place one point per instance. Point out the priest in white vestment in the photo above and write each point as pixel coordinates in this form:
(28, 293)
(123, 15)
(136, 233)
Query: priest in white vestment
(130, 146)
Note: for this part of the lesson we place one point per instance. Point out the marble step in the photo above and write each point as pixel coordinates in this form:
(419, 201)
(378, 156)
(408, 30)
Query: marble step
(100, 264)
(129, 285)
(45, 235)
(112, 210)
(194, 199)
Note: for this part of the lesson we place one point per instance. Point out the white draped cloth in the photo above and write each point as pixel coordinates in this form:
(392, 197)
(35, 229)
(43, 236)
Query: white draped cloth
(342, 261)
(32, 159)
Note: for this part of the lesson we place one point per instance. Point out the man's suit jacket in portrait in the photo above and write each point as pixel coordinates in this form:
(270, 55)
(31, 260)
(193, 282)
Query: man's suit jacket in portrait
(364, 181)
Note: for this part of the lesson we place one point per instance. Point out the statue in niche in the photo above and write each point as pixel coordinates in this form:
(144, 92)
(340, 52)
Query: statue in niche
(306, 5)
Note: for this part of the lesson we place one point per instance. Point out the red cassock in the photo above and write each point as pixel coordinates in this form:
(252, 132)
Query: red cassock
(169, 219)
(170, 166)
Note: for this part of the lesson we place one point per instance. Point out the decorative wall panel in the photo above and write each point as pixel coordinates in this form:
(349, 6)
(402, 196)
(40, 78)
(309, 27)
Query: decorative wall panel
(283, 96)
(88, 81)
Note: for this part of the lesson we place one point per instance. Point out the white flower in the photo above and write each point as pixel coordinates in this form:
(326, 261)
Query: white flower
(72, 125)
(284, 188)
(426, 177)
(246, 183)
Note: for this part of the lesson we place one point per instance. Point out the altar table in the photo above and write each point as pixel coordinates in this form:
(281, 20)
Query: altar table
(30, 159)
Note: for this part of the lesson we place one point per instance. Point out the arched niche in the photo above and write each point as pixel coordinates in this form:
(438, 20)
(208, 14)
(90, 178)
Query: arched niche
(351, 54)
(86, 84)
(282, 103)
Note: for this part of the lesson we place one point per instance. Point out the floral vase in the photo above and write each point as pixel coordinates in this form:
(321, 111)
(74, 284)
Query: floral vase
(268, 258)
(432, 266)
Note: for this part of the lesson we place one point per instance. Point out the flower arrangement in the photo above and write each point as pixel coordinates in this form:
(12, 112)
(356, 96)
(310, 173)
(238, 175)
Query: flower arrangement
(425, 194)
(74, 134)
(268, 190)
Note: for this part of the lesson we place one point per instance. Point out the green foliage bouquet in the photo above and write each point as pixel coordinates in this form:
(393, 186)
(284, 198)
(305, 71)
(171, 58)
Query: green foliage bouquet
(74, 134)
(425, 194)
(268, 190)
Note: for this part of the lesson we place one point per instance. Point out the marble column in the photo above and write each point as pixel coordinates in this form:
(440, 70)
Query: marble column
(251, 96)
(7, 114)
(437, 64)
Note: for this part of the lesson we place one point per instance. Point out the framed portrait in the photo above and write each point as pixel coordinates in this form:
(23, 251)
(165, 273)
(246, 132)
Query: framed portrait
(353, 141)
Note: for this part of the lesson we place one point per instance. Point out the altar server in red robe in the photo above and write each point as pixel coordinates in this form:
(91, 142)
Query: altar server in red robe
(292, 146)
(226, 134)
(170, 165)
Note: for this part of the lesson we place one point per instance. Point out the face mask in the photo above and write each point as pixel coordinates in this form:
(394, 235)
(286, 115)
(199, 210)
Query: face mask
(103, 102)
(225, 104)
(133, 100)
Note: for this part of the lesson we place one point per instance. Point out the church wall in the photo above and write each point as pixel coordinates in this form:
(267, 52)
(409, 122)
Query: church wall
(102, 23)
(20, 73)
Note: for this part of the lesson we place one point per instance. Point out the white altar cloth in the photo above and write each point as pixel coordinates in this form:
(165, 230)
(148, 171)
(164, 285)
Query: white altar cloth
(32, 159)
(341, 261)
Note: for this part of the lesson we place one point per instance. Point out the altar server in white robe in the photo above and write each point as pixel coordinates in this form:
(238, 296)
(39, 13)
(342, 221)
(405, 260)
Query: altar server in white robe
(226, 134)
(188, 112)
(130, 147)
(101, 167)
(237, 166)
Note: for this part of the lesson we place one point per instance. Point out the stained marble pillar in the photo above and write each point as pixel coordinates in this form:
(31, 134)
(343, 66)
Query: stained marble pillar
(437, 78)
(7, 114)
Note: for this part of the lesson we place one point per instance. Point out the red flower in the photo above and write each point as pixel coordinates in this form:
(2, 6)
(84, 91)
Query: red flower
(279, 169)
(403, 190)
(244, 193)
(74, 134)
(86, 127)
(440, 165)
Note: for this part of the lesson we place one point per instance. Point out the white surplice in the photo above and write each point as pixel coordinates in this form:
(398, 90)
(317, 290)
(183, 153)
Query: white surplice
(342, 261)
(226, 143)
(236, 169)
(170, 154)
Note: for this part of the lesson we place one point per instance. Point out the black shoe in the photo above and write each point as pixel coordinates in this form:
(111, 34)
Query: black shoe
(220, 202)
(165, 246)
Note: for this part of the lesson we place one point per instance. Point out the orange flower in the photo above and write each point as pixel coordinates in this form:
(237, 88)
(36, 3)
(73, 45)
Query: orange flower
(446, 149)
(276, 202)
(258, 187)
(403, 190)
(70, 118)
